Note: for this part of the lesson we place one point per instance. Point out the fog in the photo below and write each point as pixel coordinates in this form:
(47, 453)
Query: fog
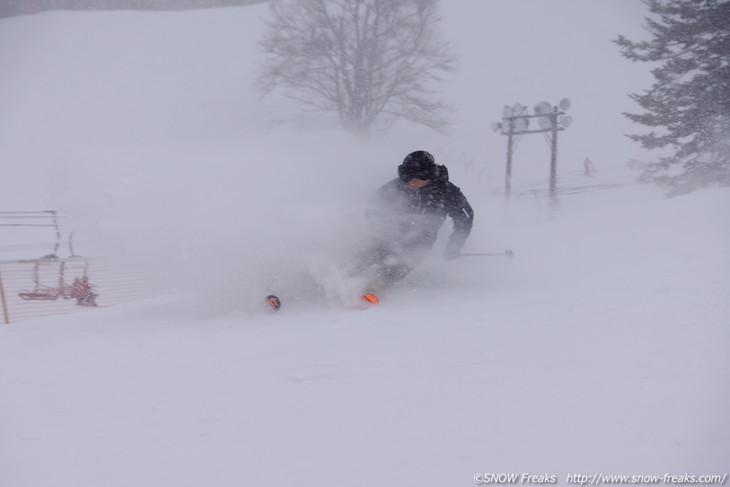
(601, 347)
(160, 151)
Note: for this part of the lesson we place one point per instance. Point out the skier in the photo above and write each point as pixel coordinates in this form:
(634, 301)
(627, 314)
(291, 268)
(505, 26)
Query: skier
(81, 291)
(406, 215)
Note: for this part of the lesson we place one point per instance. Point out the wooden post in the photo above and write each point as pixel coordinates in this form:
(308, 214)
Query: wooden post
(6, 318)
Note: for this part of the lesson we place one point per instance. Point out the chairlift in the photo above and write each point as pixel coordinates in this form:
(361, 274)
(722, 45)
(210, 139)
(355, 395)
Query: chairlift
(43, 292)
(80, 289)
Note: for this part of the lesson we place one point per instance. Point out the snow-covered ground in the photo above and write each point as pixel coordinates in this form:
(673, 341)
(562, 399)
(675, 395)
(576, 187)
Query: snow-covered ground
(602, 347)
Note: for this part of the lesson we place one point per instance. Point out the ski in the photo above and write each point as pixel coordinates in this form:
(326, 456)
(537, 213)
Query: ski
(370, 298)
(274, 302)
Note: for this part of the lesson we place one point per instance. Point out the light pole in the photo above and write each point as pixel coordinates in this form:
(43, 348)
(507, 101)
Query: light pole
(554, 157)
(510, 149)
(516, 120)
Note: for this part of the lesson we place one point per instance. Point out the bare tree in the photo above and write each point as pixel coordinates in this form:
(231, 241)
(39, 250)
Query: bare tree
(369, 61)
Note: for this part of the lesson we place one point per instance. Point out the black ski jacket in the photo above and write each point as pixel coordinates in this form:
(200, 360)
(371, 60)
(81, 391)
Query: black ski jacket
(411, 219)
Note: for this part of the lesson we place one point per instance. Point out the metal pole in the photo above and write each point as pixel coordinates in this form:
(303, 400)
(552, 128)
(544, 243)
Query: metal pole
(6, 318)
(510, 146)
(554, 158)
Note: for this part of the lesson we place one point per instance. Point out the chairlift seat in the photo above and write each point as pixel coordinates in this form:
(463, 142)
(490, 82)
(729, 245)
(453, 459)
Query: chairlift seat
(49, 295)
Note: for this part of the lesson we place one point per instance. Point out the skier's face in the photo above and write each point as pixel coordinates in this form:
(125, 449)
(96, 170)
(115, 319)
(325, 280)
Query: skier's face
(415, 183)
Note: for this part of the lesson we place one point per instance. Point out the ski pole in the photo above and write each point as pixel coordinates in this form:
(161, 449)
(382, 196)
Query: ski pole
(507, 253)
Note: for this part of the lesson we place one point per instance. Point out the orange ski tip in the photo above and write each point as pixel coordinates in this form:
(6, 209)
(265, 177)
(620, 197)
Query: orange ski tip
(371, 298)
(273, 301)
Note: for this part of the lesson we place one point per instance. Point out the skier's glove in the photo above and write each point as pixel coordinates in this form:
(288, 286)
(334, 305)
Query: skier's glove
(451, 253)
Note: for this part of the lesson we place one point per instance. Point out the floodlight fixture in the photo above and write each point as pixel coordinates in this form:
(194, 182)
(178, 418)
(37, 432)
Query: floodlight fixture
(564, 104)
(521, 124)
(545, 123)
(543, 107)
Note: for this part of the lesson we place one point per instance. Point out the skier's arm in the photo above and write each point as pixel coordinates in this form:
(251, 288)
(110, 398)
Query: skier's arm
(462, 215)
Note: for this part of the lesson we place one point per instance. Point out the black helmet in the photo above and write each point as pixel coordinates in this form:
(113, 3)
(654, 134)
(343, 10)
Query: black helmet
(418, 165)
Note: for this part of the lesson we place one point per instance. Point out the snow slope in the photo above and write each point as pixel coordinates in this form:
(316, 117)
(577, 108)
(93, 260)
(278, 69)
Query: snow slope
(610, 361)
(602, 347)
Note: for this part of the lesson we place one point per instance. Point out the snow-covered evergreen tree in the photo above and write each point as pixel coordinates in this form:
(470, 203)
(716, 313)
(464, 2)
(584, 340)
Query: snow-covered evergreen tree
(689, 102)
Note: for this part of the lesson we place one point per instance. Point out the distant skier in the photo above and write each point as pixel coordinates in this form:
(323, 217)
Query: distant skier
(81, 292)
(406, 215)
(588, 169)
